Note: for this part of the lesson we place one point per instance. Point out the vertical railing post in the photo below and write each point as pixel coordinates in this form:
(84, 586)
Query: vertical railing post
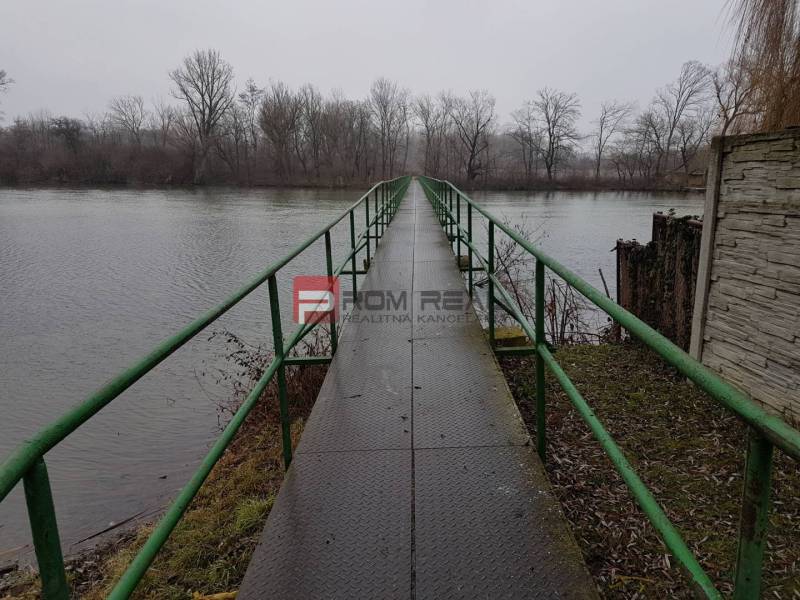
(277, 343)
(541, 434)
(438, 206)
(383, 208)
(458, 228)
(442, 215)
(353, 252)
(490, 298)
(329, 267)
(450, 214)
(469, 246)
(754, 517)
(377, 214)
(435, 191)
(44, 530)
(366, 205)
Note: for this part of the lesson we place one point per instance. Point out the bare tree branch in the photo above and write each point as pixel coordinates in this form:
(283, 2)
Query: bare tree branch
(128, 113)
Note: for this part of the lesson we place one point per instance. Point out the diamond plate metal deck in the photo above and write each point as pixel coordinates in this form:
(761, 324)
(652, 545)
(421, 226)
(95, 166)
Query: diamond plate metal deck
(340, 528)
(414, 477)
(487, 527)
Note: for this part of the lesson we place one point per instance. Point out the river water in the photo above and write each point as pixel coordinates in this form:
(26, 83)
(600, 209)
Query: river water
(90, 280)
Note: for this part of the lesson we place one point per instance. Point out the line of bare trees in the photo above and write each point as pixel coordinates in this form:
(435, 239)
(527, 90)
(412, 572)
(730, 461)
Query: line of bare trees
(660, 144)
(275, 135)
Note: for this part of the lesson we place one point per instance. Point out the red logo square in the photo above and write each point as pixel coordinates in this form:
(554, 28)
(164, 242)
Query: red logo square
(315, 299)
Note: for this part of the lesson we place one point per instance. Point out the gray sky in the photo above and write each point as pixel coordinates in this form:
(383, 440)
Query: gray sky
(72, 57)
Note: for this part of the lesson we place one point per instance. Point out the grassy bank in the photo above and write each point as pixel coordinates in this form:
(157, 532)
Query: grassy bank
(687, 449)
(209, 550)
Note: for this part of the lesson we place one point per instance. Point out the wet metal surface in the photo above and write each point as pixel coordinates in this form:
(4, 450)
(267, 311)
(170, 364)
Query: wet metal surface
(415, 477)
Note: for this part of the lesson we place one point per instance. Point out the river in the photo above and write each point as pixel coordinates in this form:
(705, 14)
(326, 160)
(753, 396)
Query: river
(92, 279)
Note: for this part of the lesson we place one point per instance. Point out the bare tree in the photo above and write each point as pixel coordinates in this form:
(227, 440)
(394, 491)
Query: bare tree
(98, 126)
(635, 153)
(128, 113)
(162, 121)
(311, 115)
(526, 133)
(251, 99)
(232, 143)
(693, 133)
(686, 94)
(558, 113)
(734, 93)
(473, 118)
(431, 117)
(185, 135)
(279, 120)
(349, 127)
(69, 130)
(649, 135)
(389, 105)
(205, 83)
(612, 119)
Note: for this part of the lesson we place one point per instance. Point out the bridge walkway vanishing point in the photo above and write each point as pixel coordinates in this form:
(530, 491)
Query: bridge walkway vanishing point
(415, 476)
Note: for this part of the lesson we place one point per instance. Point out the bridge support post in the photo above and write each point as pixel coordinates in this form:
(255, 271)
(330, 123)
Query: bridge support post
(541, 421)
(754, 518)
(277, 342)
(44, 530)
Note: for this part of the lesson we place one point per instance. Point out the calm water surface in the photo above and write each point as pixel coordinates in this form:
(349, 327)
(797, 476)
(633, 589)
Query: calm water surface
(92, 279)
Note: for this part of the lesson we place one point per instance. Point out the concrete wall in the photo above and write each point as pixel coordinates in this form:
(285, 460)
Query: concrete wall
(746, 322)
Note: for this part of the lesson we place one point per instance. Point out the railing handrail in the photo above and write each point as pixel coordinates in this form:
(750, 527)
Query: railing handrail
(776, 430)
(26, 461)
(765, 430)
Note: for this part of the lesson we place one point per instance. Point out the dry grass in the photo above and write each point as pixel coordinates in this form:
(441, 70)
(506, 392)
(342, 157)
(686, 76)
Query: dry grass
(687, 449)
(210, 548)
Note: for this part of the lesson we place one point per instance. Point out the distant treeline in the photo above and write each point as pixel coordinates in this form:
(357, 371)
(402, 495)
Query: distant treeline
(280, 136)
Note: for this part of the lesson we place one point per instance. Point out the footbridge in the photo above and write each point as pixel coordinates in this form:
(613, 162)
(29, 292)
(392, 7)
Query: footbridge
(415, 476)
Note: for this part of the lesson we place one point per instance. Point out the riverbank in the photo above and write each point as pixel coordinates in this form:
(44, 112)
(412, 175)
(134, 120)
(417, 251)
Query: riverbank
(686, 448)
(570, 185)
(209, 550)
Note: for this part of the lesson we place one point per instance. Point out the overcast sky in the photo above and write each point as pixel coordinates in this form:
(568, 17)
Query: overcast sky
(72, 56)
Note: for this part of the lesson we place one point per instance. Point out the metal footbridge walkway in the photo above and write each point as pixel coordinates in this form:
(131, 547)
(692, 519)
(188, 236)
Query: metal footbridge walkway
(415, 476)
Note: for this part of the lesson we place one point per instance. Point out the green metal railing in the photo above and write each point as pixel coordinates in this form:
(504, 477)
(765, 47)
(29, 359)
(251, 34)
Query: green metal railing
(765, 431)
(26, 463)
